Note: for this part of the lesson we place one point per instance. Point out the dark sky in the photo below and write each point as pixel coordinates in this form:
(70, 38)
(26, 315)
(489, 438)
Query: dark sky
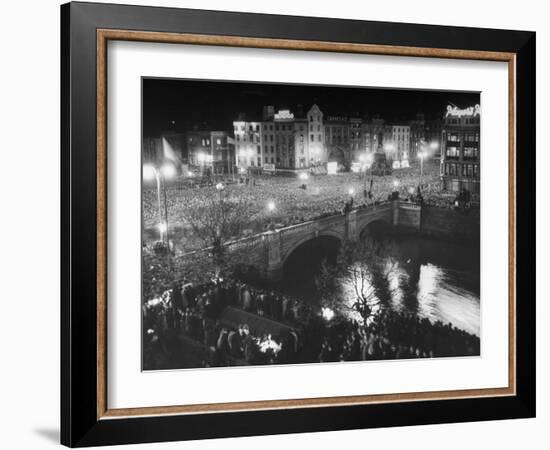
(213, 105)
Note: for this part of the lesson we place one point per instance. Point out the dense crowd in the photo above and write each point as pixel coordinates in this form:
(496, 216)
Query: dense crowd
(188, 313)
(293, 200)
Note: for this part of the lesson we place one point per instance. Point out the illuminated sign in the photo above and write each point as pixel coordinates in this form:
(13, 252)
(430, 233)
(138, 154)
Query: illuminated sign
(284, 114)
(472, 111)
(332, 168)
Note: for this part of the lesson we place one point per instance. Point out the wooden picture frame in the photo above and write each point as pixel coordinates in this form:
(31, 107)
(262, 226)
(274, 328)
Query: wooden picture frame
(86, 418)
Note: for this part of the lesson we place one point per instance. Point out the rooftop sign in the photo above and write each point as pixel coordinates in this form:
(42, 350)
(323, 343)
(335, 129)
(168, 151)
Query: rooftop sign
(283, 114)
(472, 111)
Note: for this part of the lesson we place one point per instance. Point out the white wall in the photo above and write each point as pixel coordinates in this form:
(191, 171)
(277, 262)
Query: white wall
(29, 224)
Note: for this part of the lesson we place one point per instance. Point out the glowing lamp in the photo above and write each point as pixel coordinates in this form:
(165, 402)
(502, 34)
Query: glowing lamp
(327, 313)
(168, 171)
(149, 172)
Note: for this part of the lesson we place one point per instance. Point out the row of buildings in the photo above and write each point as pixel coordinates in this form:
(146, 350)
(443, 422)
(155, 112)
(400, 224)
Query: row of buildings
(295, 140)
(285, 140)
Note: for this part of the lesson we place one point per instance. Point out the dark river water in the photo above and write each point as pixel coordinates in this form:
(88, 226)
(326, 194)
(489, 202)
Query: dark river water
(434, 279)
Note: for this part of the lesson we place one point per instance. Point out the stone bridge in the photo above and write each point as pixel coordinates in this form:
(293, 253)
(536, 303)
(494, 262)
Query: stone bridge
(269, 251)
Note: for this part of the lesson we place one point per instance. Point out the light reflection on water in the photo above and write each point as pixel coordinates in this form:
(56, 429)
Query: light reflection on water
(436, 280)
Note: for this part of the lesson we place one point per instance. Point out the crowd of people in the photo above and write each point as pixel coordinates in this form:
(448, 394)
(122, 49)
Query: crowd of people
(185, 323)
(196, 313)
(277, 201)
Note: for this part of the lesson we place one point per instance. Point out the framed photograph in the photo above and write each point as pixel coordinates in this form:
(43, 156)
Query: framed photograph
(276, 224)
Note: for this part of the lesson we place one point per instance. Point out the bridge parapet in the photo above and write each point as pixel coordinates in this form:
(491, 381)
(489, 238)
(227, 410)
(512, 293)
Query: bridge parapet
(269, 250)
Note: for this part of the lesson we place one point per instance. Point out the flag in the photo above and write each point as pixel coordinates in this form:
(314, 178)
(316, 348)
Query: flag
(169, 153)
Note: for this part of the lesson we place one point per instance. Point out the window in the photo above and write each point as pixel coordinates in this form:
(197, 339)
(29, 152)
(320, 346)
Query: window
(453, 137)
(312, 138)
(471, 152)
(218, 141)
(258, 149)
(266, 160)
(318, 127)
(452, 152)
(467, 170)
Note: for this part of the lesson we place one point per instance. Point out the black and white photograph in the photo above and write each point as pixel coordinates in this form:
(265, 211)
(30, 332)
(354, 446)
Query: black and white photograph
(298, 224)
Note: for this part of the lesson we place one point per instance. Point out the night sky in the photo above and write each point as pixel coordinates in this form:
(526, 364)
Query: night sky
(179, 105)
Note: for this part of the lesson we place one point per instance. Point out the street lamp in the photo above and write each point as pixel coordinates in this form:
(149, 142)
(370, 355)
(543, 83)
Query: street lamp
(351, 192)
(421, 156)
(369, 159)
(271, 206)
(160, 174)
(395, 193)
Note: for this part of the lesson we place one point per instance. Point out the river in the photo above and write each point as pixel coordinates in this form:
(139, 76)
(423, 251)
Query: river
(434, 279)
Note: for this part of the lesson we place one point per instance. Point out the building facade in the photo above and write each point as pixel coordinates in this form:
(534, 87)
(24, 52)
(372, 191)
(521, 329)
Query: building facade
(281, 140)
(398, 149)
(338, 139)
(248, 143)
(223, 152)
(460, 158)
(214, 150)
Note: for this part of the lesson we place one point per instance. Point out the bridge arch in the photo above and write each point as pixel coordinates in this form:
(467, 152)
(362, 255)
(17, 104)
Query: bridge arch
(374, 227)
(311, 237)
(306, 254)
